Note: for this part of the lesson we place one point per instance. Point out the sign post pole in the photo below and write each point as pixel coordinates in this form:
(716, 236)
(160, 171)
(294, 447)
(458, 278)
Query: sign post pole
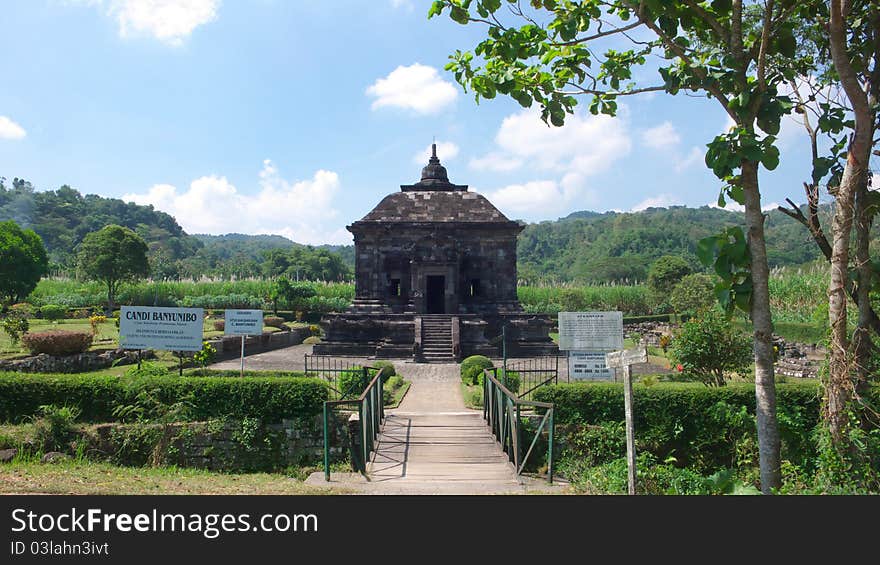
(625, 360)
(630, 434)
(241, 373)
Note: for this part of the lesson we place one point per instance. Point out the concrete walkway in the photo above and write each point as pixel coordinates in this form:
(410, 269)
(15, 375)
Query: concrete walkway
(430, 444)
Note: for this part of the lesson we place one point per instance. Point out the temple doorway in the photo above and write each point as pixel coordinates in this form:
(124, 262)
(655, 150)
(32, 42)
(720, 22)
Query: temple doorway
(435, 294)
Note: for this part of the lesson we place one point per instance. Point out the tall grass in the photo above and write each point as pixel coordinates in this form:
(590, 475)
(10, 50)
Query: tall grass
(796, 295)
(799, 295)
(80, 294)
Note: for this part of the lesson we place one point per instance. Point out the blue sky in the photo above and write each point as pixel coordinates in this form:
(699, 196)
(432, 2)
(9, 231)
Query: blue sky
(271, 116)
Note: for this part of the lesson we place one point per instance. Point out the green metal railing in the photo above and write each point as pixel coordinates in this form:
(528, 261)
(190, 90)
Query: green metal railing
(371, 413)
(502, 409)
(332, 370)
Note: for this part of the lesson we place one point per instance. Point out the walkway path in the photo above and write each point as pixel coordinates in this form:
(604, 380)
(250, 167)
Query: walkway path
(430, 444)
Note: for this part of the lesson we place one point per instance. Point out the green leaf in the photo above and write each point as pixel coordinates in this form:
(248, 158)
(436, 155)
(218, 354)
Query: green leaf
(459, 15)
(770, 160)
(706, 249)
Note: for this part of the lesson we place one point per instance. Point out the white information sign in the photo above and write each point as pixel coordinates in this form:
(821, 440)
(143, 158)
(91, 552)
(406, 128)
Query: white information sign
(243, 322)
(584, 365)
(153, 327)
(590, 331)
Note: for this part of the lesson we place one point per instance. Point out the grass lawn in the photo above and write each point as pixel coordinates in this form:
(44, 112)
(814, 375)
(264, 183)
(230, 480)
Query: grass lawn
(82, 477)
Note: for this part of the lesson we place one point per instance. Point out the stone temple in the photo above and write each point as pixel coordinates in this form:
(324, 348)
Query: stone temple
(435, 279)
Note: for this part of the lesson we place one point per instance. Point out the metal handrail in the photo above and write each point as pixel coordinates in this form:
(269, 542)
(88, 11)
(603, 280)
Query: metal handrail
(501, 409)
(371, 414)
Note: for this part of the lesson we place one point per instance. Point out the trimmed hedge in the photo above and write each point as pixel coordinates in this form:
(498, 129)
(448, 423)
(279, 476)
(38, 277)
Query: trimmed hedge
(57, 342)
(270, 399)
(697, 425)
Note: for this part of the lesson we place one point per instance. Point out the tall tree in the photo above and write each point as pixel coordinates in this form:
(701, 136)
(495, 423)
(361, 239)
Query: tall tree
(854, 44)
(113, 255)
(23, 261)
(735, 52)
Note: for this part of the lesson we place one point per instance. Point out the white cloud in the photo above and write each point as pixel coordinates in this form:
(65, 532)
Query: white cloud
(732, 206)
(696, 155)
(10, 129)
(418, 88)
(496, 162)
(586, 144)
(302, 211)
(661, 136)
(404, 4)
(729, 205)
(446, 151)
(659, 201)
(169, 21)
(525, 199)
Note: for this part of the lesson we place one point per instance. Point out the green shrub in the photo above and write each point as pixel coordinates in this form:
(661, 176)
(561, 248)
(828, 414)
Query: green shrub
(709, 346)
(390, 370)
(57, 342)
(694, 293)
(53, 312)
(509, 379)
(21, 310)
(148, 369)
(597, 444)
(54, 426)
(15, 327)
(472, 368)
(206, 356)
(351, 383)
(393, 383)
(700, 427)
(97, 396)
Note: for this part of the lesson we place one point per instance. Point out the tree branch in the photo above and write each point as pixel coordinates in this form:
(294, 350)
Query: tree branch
(598, 35)
(722, 33)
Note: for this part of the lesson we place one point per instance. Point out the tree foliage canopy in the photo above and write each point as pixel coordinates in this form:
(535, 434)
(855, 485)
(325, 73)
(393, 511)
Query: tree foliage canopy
(113, 255)
(23, 261)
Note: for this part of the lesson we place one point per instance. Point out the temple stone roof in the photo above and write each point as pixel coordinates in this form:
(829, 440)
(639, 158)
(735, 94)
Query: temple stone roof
(434, 177)
(435, 200)
(435, 206)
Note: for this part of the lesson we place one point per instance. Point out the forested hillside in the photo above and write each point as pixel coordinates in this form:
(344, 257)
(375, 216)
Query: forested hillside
(616, 246)
(63, 217)
(584, 246)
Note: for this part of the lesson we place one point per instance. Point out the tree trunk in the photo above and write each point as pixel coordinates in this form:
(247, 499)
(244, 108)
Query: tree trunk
(862, 344)
(838, 391)
(765, 384)
(111, 297)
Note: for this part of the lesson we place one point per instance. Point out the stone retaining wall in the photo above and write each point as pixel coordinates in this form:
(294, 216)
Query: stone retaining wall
(231, 445)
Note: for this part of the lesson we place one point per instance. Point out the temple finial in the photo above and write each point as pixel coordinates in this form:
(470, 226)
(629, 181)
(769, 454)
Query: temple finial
(434, 150)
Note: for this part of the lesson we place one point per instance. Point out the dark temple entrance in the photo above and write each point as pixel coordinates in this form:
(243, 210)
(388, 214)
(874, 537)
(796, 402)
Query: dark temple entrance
(435, 294)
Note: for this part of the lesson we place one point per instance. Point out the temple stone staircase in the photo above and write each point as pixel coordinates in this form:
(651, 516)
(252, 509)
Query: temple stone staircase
(437, 344)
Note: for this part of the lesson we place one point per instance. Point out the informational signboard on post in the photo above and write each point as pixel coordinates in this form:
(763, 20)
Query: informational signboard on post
(154, 327)
(588, 365)
(590, 331)
(243, 322)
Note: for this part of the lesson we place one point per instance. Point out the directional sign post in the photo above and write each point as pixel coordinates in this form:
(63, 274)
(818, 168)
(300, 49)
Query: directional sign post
(624, 360)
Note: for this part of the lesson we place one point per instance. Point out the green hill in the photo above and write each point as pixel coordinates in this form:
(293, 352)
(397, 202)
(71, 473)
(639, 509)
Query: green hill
(583, 246)
(614, 246)
(63, 217)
